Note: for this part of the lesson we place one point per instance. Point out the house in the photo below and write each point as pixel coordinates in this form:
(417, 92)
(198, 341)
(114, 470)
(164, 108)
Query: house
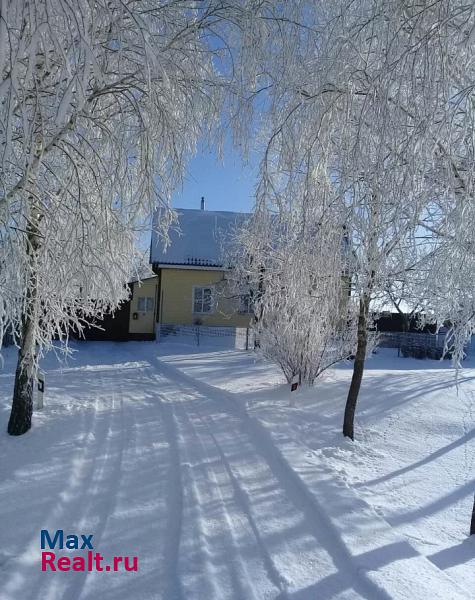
(392, 321)
(134, 319)
(192, 271)
(189, 285)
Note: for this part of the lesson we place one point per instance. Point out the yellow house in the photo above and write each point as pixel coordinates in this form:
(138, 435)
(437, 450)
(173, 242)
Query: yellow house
(192, 272)
(142, 309)
(189, 285)
(133, 320)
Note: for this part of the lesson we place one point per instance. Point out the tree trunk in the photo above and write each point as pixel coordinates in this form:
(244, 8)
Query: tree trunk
(358, 368)
(472, 525)
(22, 405)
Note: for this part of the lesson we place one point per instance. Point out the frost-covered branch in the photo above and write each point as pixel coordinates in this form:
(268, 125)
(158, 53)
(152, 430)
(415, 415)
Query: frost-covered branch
(102, 105)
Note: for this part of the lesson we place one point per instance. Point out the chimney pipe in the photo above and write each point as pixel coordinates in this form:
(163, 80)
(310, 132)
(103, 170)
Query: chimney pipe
(202, 202)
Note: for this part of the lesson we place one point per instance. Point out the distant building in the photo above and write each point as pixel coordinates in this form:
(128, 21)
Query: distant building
(387, 321)
(189, 285)
(192, 271)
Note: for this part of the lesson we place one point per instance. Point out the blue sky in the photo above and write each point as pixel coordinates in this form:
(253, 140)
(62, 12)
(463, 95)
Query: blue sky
(226, 185)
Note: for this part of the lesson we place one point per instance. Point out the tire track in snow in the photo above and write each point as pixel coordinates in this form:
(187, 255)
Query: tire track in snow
(194, 553)
(329, 547)
(140, 503)
(157, 439)
(243, 501)
(106, 481)
(63, 510)
(99, 495)
(319, 525)
(173, 586)
(328, 564)
(248, 579)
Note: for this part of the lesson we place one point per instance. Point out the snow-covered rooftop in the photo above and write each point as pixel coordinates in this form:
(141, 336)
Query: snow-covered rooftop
(199, 239)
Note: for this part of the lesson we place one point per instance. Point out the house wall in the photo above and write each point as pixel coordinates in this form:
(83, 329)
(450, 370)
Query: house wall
(145, 321)
(176, 299)
(114, 327)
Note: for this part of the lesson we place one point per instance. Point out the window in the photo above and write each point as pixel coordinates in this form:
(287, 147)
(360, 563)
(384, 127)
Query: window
(202, 300)
(145, 304)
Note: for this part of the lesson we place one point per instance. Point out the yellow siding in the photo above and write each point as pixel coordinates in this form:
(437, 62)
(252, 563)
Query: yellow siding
(145, 322)
(177, 299)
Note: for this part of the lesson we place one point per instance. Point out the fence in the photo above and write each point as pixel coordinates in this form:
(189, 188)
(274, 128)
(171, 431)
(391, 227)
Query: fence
(417, 345)
(229, 337)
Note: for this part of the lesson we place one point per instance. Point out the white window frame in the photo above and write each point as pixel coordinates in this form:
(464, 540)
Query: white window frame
(202, 287)
(149, 303)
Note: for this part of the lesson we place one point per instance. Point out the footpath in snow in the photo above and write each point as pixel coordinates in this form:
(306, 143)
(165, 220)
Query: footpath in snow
(197, 465)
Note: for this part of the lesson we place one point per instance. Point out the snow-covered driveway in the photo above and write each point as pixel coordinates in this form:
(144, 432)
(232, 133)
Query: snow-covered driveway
(246, 529)
(153, 468)
(157, 465)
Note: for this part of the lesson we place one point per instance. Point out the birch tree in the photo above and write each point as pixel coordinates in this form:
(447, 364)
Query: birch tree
(371, 102)
(101, 106)
(418, 63)
(382, 100)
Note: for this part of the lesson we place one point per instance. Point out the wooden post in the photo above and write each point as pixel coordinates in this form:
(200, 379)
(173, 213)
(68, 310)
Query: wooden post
(40, 390)
(472, 525)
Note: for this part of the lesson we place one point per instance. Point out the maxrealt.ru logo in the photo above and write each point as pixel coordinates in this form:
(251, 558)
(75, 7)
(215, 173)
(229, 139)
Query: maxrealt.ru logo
(92, 561)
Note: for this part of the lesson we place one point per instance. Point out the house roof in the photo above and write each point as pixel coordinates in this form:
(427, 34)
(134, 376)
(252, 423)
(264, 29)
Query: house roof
(200, 239)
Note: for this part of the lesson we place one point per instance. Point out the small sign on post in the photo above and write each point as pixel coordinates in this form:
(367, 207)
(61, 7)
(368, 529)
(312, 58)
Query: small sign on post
(294, 386)
(40, 389)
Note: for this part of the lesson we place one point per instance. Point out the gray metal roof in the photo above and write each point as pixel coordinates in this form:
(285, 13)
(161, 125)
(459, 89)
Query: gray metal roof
(200, 239)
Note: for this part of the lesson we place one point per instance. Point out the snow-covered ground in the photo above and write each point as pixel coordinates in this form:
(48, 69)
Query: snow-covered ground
(199, 464)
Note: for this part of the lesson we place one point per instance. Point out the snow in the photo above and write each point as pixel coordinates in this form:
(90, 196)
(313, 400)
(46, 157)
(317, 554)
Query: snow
(199, 238)
(196, 461)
